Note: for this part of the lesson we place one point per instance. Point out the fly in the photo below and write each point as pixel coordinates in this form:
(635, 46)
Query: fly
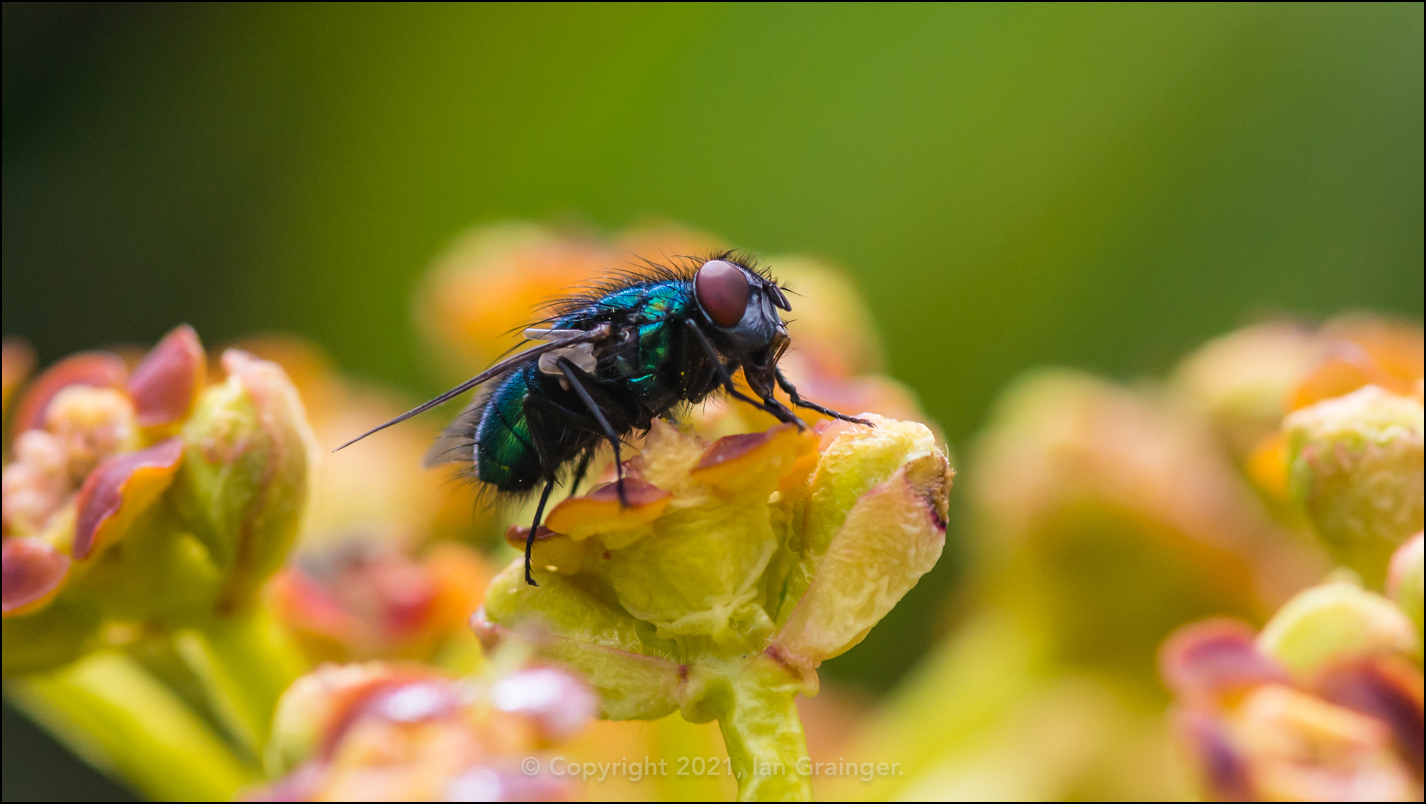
(612, 360)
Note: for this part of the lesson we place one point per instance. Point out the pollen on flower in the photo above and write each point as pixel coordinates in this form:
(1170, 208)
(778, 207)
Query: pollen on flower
(91, 424)
(82, 426)
(36, 483)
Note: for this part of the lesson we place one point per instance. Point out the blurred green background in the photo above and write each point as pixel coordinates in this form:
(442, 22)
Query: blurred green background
(1103, 186)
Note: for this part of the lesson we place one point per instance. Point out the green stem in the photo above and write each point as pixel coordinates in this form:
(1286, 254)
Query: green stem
(757, 713)
(244, 665)
(119, 718)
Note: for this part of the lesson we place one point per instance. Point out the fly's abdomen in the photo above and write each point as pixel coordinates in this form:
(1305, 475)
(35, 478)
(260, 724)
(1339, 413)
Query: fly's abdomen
(505, 456)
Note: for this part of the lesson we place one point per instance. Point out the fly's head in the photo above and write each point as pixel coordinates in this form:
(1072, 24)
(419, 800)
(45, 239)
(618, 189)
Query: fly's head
(739, 308)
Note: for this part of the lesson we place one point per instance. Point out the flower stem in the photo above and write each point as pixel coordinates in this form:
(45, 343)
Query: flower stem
(757, 713)
(244, 664)
(119, 718)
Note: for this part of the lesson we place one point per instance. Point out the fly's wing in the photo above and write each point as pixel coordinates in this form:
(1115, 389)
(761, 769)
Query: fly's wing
(590, 336)
(456, 444)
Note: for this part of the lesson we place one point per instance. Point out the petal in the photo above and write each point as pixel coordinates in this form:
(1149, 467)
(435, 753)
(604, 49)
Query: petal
(1221, 767)
(1346, 369)
(33, 574)
(852, 460)
(118, 490)
(17, 360)
(892, 536)
(1302, 748)
(553, 551)
(601, 511)
(738, 462)
(166, 384)
(1216, 659)
(1389, 690)
(95, 369)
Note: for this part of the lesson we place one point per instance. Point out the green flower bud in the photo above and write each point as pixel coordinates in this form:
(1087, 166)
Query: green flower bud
(245, 476)
(1356, 469)
(1333, 623)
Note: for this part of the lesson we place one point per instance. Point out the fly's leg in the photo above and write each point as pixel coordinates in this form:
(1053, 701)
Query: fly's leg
(530, 540)
(568, 418)
(571, 373)
(579, 470)
(539, 445)
(803, 403)
(772, 407)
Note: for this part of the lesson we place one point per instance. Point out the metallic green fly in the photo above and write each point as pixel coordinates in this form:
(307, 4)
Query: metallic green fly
(611, 361)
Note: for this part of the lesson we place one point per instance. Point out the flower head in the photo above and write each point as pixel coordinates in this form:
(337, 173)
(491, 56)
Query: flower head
(366, 599)
(1248, 380)
(1113, 515)
(146, 495)
(393, 732)
(737, 568)
(1324, 704)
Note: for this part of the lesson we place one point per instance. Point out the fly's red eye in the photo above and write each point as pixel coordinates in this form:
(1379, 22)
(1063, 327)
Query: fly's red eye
(722, 290)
